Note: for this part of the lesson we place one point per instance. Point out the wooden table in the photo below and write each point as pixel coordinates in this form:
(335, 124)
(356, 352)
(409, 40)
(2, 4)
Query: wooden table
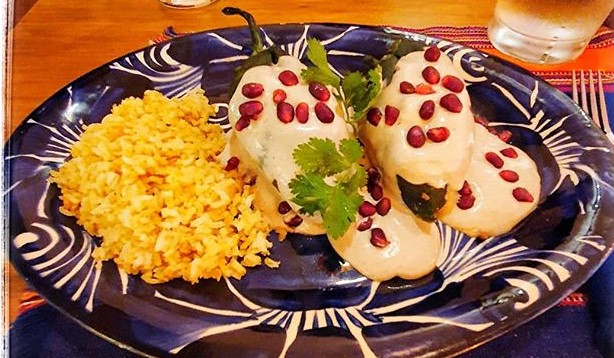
(58, 41)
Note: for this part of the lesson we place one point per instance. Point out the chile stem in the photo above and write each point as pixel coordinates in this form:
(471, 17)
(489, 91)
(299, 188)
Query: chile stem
(257, 45)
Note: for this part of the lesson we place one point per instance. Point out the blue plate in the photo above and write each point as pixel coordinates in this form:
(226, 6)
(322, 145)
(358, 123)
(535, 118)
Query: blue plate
(309, 306)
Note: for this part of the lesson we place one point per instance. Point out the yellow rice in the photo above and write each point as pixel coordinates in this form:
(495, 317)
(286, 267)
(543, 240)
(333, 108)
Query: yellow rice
(147, 181)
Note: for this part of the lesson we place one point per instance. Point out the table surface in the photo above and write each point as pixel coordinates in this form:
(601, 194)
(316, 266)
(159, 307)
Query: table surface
(58, 41)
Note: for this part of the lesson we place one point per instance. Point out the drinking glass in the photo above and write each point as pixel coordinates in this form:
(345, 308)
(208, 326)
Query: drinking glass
(185, 4)
(546, 31)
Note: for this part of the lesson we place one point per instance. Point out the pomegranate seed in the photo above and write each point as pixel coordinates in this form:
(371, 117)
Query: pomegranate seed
(252, 90)
(505, 135)
(427, 109)
(324, 113)
(438, 134)
(285, 112)
(284, 207)
(522, 195)
(391, 114)
(319, 91)
(509, 152)
(432, 54)
(466, 189)
(376, 191)
(279, 96)
(416, 137)
(509, 176)
(374, 116)
(288, 78)
(423, 88)
(383, 206)
(250, 109)
(242, 123)
(373, 176)
(482, 121)
(453, 83)
(378, 238)
(367, 209)
(302, 112)
(365, 224)
(232, 164)
(431, 75)
(406, 88)
(494, 159)
(465, 202)
(451, 103)
(294, 221)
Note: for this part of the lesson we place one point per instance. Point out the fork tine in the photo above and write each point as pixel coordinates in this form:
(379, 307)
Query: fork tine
(584, 102)
(604, 111)
(592, 92)
(605, 121)
(574, 86)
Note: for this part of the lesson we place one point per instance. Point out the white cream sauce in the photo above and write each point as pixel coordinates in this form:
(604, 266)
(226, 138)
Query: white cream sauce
(412, 251)
(266, 145)
(436, 164)
(270, 142)
(495, 210)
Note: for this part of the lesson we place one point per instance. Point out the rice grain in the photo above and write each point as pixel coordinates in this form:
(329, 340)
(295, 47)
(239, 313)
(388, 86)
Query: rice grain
(148, 182)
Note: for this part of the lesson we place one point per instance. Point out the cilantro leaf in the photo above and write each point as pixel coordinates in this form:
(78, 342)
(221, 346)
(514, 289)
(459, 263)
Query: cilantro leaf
(320, 72)
(313, 74)
(319, 156)
(361, 90)
(309, 191)
(340, 211)
(352, 179)
(351, 150)
(351, 84)
(329, 182)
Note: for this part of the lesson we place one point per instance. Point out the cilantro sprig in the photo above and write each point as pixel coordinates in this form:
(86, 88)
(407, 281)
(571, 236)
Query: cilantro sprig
(329, 182)
(361, 90)
(320, 71)
(356, 90)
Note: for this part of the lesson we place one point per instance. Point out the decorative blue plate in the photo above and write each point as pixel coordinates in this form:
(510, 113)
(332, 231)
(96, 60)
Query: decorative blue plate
(308, 306)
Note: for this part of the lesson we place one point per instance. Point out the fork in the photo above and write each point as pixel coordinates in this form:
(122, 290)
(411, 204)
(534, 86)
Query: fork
(593, 104)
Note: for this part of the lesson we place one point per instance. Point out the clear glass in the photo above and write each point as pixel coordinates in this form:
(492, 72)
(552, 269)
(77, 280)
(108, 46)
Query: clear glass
(546, 31)
(186, 4)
